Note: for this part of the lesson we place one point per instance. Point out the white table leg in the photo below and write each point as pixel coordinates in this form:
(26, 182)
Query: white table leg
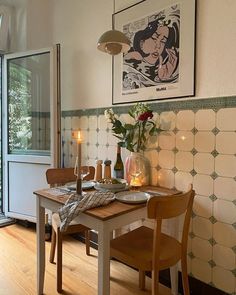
(40, 212)
(174, 269)
(103, 261)
(174, 279)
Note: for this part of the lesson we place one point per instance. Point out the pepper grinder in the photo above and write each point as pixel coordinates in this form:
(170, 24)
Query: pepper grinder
(107, 169)
(98, 175)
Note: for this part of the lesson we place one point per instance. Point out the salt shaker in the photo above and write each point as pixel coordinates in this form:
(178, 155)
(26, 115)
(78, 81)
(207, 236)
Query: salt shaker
(107, 169)
(98, 174)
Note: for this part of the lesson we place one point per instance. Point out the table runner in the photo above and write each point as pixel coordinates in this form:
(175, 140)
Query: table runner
(77, 204)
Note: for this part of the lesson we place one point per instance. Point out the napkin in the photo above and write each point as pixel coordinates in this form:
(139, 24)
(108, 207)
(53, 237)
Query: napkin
(77, 204)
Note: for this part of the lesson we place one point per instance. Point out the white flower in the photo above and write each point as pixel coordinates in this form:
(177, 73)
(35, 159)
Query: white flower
(109, 115)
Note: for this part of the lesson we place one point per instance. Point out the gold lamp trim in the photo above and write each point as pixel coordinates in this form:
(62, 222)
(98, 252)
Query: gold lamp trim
(113, 42)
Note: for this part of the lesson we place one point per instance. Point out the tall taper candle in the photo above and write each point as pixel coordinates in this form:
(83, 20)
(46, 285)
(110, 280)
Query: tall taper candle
(79, 181)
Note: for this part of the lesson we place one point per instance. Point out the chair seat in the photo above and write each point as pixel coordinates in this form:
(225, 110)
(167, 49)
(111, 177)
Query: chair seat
(126, 250)
(74, 227)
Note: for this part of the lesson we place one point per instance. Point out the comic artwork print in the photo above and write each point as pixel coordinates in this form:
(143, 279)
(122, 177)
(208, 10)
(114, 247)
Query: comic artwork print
(153, 59)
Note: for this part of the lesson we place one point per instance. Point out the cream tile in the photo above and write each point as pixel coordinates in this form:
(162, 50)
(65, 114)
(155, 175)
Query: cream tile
(225, 165)
(183, 180)
(224, 211)
(165, 178)
(62, 123)
(152, 142)
(154, 176)
(184, 161)
(184, 141)
(225, 188)
(205, 120)
(224, 234)
(201, 270)
(112, 140)
(126, 118)
(102, 122)
(225, 119)
(203, 184)
(167, 140)
(204, 163)
(93, 122)
(83, 123)
(92, 151)
(202, 227)
(102, 152)
(68, 123)
(185, 120)
(202, 249)
(204, 141)
(152, 156)
(226, 143)
(167, 120)
(166, 159)
(224, 257)
(202, 206)
(75, 123)
(223, 279)
(92, 137)
(102, 137)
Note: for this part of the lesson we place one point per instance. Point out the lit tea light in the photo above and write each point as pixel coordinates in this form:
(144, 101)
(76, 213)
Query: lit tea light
(135, 182)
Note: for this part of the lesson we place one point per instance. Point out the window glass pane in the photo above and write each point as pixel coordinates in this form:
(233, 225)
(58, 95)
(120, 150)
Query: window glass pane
(29, 104)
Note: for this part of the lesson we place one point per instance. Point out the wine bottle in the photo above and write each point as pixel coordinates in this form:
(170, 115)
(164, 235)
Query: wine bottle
(119, 166)
(48, 229)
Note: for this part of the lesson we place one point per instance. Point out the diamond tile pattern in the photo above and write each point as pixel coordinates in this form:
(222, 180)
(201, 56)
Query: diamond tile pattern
(191, 158)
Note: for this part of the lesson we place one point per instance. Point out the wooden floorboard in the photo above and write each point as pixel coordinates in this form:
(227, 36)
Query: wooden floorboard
(18, 268)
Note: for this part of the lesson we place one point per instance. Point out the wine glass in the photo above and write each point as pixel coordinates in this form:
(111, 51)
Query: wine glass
(84, 171)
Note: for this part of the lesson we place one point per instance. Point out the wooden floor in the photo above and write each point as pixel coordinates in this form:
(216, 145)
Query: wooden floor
(18, 268)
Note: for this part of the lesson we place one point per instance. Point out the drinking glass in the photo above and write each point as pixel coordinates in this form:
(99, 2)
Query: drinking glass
(84, 170)
(135, 168)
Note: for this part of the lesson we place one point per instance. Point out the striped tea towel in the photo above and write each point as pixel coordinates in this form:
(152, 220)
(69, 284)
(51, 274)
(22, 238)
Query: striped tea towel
(77, 204)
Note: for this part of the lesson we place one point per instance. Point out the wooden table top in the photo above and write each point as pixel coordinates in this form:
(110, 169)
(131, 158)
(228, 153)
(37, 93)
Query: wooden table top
(111, 210)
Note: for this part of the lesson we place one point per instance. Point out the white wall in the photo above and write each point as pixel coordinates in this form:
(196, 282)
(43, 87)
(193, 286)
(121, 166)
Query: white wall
(86, 72)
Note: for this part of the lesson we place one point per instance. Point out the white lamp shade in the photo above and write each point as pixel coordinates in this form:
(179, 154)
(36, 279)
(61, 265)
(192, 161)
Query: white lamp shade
(113, 42)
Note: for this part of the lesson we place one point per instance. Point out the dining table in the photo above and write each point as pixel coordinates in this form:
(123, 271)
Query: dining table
(105, 220)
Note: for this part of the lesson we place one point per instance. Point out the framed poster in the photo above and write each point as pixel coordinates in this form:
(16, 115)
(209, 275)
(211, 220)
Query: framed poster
(160, 62)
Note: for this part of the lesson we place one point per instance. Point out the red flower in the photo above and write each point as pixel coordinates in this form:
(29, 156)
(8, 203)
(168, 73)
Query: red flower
(145, 116)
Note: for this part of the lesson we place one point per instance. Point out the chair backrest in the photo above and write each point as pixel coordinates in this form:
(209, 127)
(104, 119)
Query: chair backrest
(61, 176)
(159, 208)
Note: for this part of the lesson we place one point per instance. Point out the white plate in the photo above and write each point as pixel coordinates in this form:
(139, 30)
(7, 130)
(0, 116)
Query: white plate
(114, 190)
(132, 197)
(85, 185)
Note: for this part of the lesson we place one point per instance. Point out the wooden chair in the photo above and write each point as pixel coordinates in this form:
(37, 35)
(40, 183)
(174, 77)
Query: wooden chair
(152, 250)
(56, 177)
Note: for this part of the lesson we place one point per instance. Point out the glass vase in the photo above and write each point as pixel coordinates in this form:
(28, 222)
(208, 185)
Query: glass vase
(137, 170)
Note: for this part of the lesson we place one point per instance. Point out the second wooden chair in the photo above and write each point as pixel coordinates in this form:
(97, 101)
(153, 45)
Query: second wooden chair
(152, 250)
(56, 177)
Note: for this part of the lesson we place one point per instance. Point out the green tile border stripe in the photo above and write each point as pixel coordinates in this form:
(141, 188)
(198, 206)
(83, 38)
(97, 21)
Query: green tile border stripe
(215, 103)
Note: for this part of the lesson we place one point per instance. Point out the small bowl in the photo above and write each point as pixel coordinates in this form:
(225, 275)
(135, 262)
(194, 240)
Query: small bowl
(112, 186)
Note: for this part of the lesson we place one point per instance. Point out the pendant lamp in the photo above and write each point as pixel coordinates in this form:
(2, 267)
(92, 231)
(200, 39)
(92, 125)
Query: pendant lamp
(113, 42)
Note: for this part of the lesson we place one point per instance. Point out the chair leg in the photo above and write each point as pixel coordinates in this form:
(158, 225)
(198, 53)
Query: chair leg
(59, 261)
(155, 282)
(141, 279)
(53, 246)
(185, 275)
(87, 241)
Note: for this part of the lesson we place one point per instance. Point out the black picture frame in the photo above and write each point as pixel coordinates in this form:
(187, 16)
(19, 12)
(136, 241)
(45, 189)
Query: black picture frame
(161, 62)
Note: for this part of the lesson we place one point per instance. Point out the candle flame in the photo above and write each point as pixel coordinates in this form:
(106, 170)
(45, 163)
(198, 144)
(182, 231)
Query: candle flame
(79, 137)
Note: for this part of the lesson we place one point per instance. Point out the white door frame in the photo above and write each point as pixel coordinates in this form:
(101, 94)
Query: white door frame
(52, 160)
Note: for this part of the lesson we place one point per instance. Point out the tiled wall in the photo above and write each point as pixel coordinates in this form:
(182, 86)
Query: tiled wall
(199, 148)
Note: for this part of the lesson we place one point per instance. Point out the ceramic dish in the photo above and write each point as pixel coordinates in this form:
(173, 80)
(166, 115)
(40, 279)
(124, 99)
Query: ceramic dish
(112, 186)
(114, 190)
(85, 185)
(132, 197)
